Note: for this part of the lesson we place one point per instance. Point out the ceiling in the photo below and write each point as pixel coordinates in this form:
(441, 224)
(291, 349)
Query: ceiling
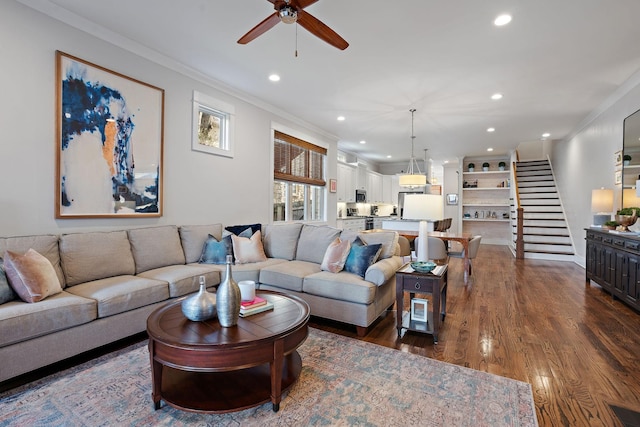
(555, 63)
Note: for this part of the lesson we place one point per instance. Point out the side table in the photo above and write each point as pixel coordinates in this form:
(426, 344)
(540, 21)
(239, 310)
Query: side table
(434, 283)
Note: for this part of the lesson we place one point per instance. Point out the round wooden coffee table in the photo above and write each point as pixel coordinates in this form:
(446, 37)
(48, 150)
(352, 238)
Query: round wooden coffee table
(203, 367)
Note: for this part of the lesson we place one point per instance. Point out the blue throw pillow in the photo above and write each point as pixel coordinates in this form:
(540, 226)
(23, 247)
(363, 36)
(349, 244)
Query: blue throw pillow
(6, 292)
(215, 251)
(361, 256)
(237, 229)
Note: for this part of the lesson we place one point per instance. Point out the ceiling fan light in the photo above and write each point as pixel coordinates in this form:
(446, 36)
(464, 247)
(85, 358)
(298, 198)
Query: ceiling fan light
(288, 15)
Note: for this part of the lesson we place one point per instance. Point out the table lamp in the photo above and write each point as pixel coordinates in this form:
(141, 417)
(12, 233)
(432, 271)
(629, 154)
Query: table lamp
(601, 205)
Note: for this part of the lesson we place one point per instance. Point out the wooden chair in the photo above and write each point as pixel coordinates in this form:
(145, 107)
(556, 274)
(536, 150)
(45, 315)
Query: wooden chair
(474, 244)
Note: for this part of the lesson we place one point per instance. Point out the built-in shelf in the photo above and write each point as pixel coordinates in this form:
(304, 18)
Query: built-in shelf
(485, 188)
(504, 205)
(474, 173)
(486, 219)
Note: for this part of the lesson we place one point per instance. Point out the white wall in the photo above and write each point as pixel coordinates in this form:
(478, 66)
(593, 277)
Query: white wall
(586, 162)
(198, 188)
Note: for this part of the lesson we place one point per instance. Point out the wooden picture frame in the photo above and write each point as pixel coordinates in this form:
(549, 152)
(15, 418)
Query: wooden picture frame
(104, 121)
(333, 186)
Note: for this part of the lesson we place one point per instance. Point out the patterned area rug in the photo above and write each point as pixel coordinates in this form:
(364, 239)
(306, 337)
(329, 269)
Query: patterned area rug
(343, 382)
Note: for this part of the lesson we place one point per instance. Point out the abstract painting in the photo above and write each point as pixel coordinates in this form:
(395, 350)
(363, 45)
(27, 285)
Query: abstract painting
(109, 143)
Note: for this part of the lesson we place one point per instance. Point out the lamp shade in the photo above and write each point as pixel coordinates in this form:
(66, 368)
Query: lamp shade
(602, 200)
(630, 198)
(423, 207)
(412, 180)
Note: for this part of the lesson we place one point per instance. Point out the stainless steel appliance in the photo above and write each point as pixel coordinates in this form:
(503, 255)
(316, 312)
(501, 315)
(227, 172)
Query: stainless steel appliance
(368, 223)
(361, 196)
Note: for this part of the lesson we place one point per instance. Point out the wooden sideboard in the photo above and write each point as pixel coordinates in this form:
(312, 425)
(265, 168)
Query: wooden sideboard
(613, 262)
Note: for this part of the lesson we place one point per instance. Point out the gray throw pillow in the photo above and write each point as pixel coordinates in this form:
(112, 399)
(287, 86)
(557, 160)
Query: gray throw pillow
(215, 251)
(6, 292)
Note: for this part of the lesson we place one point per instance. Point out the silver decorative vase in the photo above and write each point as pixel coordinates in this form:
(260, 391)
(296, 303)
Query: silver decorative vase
(228, 299)
(201, 306)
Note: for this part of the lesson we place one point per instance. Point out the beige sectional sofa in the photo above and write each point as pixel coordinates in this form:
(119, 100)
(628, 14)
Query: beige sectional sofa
(111, 281)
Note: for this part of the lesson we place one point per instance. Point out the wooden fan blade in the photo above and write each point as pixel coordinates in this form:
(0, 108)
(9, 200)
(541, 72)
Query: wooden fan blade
(301, 4)
(269, 22)
(321, 30)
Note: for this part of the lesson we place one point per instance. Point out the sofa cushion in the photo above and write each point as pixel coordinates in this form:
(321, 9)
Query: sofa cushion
(20, 321)
(6, 292)
(193, 238)
(95, 255)
(361, 257)
(314, 241)
(122, 293)
(183, 279)
(388, 240)
(341, 286)
(335, 256)
(31, 275)
(248, 249)
(281, 240)
(215, 251)
(289, 274)
(249, 271)
(46, 244)
(156, 247)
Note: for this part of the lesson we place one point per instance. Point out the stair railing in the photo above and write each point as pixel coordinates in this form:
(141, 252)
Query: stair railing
(519, 217)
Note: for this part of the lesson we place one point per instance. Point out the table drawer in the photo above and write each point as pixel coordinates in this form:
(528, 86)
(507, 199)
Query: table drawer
(419, 284)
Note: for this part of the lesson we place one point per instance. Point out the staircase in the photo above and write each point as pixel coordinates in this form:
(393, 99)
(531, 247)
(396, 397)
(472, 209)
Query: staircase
(546, 235)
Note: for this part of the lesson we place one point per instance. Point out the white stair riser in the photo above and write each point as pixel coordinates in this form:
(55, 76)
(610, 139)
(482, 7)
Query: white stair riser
(533, 198)
(531, 230)
(546, 239)
(543, 223)
(533, 215)
(532, 171)
(537, 208)
(551, 257)
(548, 248)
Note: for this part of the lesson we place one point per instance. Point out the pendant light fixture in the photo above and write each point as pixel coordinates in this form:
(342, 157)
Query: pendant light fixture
(413, 178)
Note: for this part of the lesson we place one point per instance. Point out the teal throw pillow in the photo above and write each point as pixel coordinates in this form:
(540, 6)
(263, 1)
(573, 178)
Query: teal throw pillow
(215, 251)
(6, 292)
(361, 257)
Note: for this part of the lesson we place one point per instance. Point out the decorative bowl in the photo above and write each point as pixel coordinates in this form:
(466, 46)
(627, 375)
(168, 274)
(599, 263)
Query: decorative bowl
(423, 266)
(626, 220)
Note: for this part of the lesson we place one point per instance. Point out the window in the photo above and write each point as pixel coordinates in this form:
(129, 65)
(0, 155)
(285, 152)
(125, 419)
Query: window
(212, 125)
(299, 187)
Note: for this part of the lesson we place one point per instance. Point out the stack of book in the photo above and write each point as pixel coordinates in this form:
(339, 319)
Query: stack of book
(257, 305)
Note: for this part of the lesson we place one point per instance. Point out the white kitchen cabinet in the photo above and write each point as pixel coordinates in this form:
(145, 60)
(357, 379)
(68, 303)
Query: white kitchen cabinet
(346, 185)
(374, 187)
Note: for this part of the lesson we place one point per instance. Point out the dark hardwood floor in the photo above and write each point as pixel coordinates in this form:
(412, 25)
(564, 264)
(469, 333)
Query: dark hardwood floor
(534, 321)
(530, 320)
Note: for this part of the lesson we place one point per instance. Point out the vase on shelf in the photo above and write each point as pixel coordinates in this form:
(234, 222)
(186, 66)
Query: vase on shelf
(201, 306)
(228, 299)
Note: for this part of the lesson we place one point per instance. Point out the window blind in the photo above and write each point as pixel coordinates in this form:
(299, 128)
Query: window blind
(299, 161)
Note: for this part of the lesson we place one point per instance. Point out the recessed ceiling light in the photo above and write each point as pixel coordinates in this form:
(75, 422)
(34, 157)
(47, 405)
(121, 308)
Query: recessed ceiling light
(489, 149)
(546, 135)
(363, 142)
(388, 156)
(274, 78)
(491, 129)
(502, 20)
(496, 96)
(341, 118)
(446, 161)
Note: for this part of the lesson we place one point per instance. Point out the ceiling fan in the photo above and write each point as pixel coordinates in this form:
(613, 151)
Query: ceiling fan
(290, 12)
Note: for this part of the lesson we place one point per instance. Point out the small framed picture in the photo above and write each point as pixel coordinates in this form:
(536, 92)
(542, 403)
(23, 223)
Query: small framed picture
(419, 309)
(618, 177)
(618, 158)
(333, 185)
(452, 199)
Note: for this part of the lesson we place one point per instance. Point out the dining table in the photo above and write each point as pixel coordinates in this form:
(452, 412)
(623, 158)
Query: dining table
(448, 236)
